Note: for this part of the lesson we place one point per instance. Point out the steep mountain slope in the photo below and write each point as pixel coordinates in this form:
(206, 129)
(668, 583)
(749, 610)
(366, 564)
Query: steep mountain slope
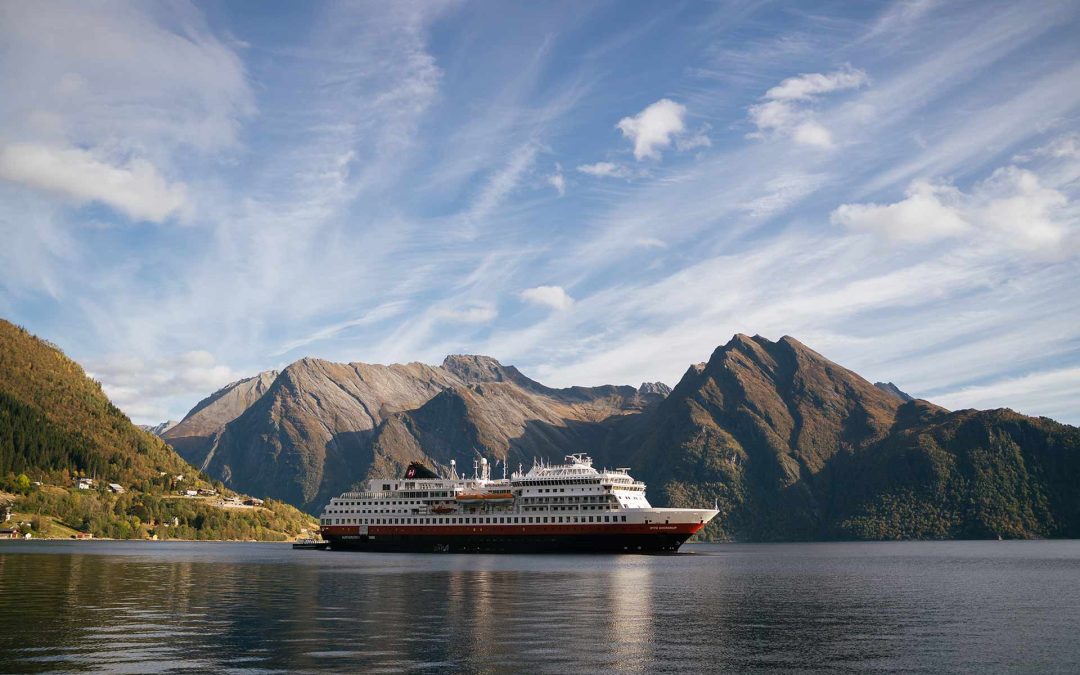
(320, 427)
(754, 428)
(793, 446)
(193, 436)
(56, 425)
(56, 418)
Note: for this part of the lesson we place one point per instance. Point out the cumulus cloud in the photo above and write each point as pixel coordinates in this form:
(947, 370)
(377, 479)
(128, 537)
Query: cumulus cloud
(555, 297)
(606, 170)
(784, 110)
(652, 129)
(1011, 208)
(136, 189)
(557, 180)
(929, 212)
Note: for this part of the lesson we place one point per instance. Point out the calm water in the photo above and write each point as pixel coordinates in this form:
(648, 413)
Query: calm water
(917, 607)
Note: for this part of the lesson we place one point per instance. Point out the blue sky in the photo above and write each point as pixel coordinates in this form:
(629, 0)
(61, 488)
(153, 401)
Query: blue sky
(594, 192)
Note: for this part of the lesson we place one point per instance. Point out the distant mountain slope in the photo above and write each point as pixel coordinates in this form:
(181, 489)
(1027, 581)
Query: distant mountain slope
(320, 427)
(193, 436)
(57, 425)
(890, 388)
(790, 445)
(159, 428)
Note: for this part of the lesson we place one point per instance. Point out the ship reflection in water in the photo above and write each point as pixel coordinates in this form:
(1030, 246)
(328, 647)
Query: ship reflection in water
(922, 607)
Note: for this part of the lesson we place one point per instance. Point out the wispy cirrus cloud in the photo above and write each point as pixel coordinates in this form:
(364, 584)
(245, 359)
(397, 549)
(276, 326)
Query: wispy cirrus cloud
(383, 183)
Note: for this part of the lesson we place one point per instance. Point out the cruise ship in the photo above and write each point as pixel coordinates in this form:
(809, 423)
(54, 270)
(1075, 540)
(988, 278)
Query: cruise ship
(552, 508)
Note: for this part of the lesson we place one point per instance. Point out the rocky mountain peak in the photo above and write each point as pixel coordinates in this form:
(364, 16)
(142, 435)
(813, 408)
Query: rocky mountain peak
(890, 388)
(476, 368)
(654, 388)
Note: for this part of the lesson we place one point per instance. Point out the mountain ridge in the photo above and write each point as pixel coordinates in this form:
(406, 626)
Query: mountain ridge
(783, 439)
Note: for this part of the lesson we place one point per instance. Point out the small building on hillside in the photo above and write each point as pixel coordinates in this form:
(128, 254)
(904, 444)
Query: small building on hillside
(208, 493)
(10, 533)
(83, 535)
(85, 484)
(191, 493)
(117, 488)
(254, 501)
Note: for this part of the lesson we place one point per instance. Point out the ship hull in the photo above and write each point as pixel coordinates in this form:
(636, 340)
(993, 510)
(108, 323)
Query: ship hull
(568, 543)
(658, 539)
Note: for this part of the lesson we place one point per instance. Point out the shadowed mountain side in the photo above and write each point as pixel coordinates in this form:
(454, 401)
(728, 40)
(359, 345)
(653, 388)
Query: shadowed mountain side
(505, 425)
(968, 475)
(754, 428)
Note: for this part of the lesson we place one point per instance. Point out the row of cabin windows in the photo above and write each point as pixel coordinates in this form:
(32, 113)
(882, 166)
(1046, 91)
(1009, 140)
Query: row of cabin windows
(579, 507)
(520, 520)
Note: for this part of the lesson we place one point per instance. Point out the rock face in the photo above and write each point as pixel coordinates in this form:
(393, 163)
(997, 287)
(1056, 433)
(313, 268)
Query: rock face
(790, 445)
(318, 427)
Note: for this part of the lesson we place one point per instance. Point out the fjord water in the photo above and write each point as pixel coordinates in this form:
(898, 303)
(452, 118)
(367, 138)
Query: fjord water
(856, 607)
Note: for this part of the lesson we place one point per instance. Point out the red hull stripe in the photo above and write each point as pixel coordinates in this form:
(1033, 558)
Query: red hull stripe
(509, 530)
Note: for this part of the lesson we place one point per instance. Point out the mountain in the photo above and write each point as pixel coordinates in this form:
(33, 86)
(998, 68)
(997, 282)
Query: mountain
(159, 428)
(193, 436)
(793, 446)
(319, 427)
(56, 426)
(790, 445)
(890, 388)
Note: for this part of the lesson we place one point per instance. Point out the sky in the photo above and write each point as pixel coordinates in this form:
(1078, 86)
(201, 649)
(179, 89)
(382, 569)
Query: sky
(595, 192)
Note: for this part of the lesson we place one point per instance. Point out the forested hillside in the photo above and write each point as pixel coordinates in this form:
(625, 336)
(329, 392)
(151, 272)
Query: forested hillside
(57, 426)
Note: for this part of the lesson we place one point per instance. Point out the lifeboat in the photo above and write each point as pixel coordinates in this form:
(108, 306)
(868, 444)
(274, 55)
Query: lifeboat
(445, 508)
(485, 497)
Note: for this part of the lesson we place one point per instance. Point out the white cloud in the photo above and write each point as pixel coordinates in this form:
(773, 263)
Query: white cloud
(783, 110)
(929, 212)
(557, 180)
(555, 297)
(809, 85)
(1013, 204)
(606, 170)
(1011, 209)
(143, 388)
(812, 133)
(1051, 393)
(477, 312)
(136, 189)
(652, 129)
(149, 78)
